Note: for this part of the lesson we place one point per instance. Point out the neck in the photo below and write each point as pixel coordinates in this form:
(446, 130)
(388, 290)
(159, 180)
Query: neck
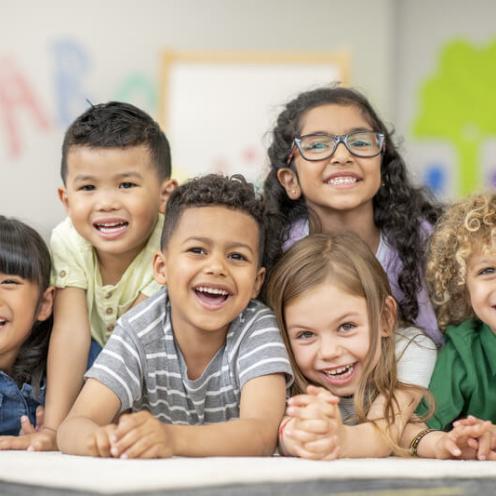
(361, 222)
(7, 361)
(112, 267)
(198, 348)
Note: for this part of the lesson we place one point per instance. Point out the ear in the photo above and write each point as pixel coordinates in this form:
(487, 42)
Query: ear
(160, 268)
(62, 193)
(289, 181)
(46, 304)
(166, 188)
(389, 316)
(260, 277)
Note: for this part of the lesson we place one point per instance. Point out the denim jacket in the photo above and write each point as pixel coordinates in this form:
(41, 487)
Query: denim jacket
(15, 402)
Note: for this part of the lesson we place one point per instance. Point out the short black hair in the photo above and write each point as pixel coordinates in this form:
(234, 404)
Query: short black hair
(118, 125)
(233, 192)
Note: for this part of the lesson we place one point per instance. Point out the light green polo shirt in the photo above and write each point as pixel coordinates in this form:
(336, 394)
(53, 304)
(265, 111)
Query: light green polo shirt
(75, 265)
(464, 378)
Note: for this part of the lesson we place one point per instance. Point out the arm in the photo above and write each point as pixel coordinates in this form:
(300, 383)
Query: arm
(140, 435)
(87, 430)
(470, 439)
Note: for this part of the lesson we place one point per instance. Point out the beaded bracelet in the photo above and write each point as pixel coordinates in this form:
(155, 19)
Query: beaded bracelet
(416, 440)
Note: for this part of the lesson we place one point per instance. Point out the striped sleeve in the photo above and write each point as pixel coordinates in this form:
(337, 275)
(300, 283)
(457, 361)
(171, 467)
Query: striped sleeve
(119, 366)
(261, 349)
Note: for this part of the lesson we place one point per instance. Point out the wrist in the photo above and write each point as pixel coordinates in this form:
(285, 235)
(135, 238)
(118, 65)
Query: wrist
(418, 445)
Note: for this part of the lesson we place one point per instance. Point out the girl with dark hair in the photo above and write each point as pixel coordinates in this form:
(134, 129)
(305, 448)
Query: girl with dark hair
(26, 300)
(335, 167)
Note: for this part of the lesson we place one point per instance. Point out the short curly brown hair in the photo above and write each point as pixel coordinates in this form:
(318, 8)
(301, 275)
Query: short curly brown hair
(233, 192)
(467, 227)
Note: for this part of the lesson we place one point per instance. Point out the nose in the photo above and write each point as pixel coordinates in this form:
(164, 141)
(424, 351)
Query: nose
(341, 154)
(107, 201)
(330, 347)
(215, 265)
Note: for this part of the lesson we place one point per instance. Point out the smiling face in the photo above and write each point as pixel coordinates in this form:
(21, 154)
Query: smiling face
(113, 197)
(20, 307)
(481, 286)
(330, 342)
(211, 268)
(342, 182)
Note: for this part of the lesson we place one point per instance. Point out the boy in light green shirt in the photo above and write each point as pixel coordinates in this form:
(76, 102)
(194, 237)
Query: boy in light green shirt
(116, 182)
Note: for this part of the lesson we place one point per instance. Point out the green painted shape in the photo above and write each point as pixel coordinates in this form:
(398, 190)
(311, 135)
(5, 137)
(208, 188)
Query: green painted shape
(458, 104)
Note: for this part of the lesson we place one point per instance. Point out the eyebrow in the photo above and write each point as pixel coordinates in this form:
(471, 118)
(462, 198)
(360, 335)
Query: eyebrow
(123, 175)
(341, 319)
(234, 244)
(352, 130)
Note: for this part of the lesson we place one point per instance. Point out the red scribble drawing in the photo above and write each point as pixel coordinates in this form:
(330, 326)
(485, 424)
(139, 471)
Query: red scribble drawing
(16, 94)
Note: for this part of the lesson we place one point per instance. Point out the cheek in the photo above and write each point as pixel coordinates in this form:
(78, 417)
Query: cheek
(303, 355)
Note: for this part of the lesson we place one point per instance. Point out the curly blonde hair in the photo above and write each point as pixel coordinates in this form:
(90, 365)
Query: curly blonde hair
(467, 227)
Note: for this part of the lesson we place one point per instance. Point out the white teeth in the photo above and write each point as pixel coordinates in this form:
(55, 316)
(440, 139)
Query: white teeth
(342, 180)
(339, 370)
(215, 291)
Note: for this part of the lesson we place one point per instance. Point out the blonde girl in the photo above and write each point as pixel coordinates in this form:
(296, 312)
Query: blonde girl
(333, 302)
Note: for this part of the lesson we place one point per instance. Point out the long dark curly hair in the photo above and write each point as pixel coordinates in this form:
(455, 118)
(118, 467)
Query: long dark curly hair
(399, 207)
(23, 253)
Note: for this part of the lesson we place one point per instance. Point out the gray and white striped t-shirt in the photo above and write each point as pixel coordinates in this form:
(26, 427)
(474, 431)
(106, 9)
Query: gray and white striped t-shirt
(143, 366)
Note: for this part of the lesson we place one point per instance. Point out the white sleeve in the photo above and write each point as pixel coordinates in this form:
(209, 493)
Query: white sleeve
(415, 356)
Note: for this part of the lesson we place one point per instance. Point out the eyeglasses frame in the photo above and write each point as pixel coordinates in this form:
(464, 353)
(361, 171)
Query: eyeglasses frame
(338, 138)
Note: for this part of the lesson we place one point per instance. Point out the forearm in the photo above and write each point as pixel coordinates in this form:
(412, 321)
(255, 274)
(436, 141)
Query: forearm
(243, 437)
(67, 358)
(74, 434)
(363, 441)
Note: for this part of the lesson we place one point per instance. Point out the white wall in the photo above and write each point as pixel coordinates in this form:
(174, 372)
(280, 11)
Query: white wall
(96, 48)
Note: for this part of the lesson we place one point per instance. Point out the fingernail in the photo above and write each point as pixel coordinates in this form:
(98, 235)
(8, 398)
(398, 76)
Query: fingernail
(30, 448)
(23, 418)
(114, 450)
(124, 455)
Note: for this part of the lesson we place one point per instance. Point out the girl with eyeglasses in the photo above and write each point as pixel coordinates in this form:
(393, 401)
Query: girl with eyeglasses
(335, 167)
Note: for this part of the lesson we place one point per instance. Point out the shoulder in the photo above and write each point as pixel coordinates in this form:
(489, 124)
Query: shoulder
(147, 319)
(65, 234)
(413, 336)
(299, 229)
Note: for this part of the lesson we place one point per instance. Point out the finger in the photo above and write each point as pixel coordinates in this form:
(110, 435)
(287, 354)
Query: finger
(139, 446)
(484, 446)
(317, 426)
(323, 394)
(300, 400)
(6, 442)
(300, 436)
(303, 453)
(333, 455)
(452, 447)
(122, 444)
(40, 417)
(324, 445)
(102, 442)
(315, 410)
(43, 441)
(26, 426)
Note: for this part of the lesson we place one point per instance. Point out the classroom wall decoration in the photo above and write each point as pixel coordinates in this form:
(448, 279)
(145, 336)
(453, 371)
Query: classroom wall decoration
(455, 123)
(217, 108)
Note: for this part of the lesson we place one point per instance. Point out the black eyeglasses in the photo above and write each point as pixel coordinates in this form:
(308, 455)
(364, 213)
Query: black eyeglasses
(320, 146)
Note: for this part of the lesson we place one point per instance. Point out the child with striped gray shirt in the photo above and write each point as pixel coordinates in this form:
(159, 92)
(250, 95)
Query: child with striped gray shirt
(201, 365)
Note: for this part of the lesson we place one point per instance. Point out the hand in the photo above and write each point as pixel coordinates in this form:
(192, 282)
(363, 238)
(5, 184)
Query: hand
(473, 434)
(100, 441)
(311, 431)
(44, 440)
(141, 435)
(27, 427)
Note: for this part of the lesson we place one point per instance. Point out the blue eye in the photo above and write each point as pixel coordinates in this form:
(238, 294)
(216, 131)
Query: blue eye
(304, 335)
(347, 326)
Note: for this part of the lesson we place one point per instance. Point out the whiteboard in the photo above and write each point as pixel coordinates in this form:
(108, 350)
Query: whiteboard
(218, 109)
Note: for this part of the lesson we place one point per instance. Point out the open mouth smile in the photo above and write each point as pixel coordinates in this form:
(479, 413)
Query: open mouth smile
(339, 375)
(212, 297)
(111, 229)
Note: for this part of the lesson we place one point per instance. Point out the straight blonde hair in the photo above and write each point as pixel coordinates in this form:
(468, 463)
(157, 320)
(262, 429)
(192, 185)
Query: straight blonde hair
(346, 261)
